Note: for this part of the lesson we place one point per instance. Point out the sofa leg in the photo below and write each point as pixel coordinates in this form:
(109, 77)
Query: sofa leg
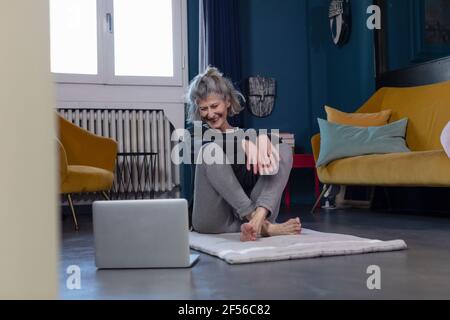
(105, 195)
(325, 188)
(74, 216)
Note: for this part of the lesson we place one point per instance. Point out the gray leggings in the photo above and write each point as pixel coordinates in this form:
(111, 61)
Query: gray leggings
(220, 203)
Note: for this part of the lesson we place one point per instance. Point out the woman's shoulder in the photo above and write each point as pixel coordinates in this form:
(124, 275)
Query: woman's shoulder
(193, 127)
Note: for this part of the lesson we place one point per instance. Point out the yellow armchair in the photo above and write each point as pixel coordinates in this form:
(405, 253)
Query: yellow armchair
(86, 162)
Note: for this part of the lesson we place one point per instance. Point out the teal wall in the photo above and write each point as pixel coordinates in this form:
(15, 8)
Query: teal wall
(399, 25)
(290, 41)
(405, 30)
(274, 44)
(340, 77)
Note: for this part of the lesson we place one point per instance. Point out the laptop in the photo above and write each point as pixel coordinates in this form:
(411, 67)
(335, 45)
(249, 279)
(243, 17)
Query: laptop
(140, 234)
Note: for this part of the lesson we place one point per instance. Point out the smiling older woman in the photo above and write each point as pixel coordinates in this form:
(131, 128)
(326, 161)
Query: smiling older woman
(236, 197)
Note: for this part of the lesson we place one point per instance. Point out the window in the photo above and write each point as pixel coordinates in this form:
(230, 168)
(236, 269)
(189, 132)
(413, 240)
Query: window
(74, 37)
(129, 42)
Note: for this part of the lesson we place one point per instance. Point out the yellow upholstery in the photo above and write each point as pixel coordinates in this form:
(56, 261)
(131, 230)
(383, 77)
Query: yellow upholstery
(358, 119)
(421, 168)
(63, 165)
(428, 111)
(87, 161)
(87, 179)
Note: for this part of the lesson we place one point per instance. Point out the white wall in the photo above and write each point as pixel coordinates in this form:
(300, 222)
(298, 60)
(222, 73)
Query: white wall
(28, 206)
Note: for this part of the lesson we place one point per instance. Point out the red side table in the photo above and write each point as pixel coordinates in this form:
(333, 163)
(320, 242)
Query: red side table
(302, 161)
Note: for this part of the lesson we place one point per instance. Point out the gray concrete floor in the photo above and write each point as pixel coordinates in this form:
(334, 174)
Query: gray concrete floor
(421, 272)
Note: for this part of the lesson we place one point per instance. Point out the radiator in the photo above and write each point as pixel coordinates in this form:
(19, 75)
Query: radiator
(136, 131)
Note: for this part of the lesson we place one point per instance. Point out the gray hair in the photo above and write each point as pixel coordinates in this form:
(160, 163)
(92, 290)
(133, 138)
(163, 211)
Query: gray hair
(211, 81)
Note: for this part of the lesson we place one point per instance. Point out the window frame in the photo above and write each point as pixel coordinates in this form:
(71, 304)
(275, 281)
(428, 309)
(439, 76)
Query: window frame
(105, 54)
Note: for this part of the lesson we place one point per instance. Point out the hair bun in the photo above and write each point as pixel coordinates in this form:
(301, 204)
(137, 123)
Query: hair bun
(212, 72)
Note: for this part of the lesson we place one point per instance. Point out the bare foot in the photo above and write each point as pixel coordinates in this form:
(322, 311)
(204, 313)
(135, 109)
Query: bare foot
(252, 230)
(248, 233)
(290, 227)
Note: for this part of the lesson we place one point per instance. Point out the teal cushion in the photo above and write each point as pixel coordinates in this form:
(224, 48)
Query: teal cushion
(339, 141)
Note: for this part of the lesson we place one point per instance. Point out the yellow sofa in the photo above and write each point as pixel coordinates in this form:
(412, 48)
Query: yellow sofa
(428, 111)
(86, 161)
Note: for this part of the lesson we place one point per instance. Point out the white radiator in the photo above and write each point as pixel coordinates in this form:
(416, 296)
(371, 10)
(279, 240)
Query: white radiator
(136, 131)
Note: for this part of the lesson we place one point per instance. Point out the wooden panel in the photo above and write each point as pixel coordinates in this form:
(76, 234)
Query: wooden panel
(421, 74)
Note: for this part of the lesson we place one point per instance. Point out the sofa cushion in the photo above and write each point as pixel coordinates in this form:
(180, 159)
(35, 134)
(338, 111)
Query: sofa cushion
(358, 119)
(425, 168)
(339, 141)
(87, 179)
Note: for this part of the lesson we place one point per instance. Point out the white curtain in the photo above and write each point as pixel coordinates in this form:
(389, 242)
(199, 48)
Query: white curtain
(202, 47)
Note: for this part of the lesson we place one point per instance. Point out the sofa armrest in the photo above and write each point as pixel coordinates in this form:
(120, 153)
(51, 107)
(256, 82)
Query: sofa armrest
(86, 149)
(315, 143)
(63, 164)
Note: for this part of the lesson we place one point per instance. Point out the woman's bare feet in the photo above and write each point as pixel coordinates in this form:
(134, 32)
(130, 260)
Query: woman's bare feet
(248, 233)
(252, 230)
(290, 227)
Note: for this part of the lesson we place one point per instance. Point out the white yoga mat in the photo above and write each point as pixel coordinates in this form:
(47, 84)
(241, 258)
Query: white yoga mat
(310, 244)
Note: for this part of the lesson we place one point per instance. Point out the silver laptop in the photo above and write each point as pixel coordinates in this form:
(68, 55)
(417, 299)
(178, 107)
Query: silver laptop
(142, 234)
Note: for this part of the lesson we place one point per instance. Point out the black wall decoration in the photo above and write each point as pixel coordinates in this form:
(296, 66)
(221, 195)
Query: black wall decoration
(340, 16)
(261, 95)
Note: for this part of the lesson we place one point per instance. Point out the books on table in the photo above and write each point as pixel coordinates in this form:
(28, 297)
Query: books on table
(288, 138)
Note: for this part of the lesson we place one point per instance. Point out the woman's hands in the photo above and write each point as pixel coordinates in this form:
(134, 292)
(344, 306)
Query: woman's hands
(263, 156)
